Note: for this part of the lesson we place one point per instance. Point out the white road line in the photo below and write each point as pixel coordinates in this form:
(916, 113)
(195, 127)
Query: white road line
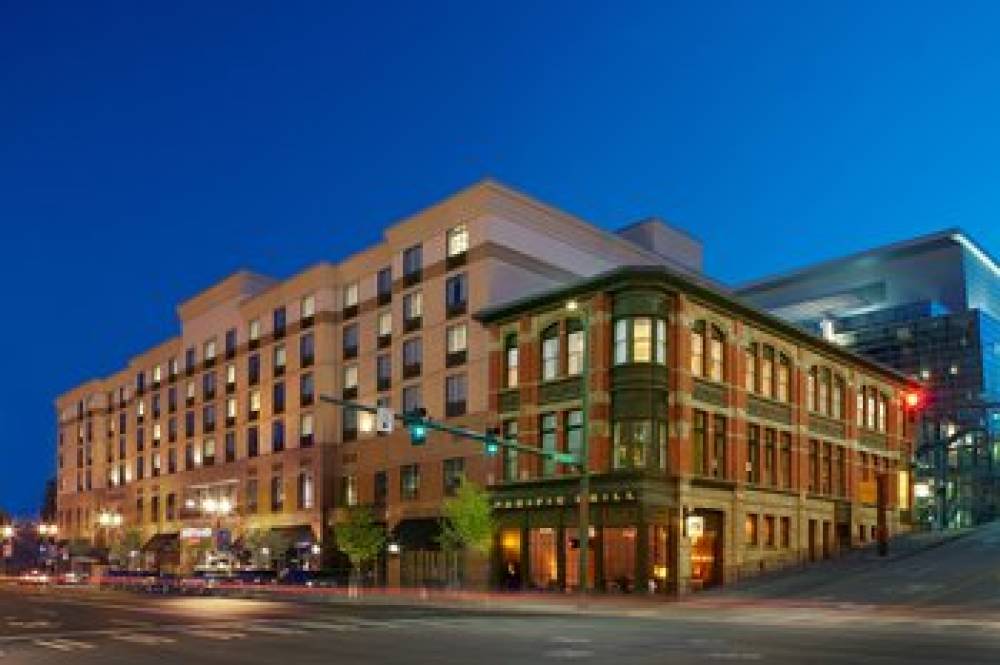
(144, 638)
(568, 653)
(215, 634)
(324, 625)
(272, 630)
(63, 644)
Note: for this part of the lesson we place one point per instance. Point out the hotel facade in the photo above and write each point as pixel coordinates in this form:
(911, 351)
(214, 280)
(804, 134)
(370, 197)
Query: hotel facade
(722, 441)
(219, 430)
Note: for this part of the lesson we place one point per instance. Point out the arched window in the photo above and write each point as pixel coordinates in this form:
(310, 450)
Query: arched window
(574, 347)
(767, 372)
(550, 352)
(751, 371)
(716, 357)
(698, 349)
(784, 377)
(511, 361)
(811, 389)
(824, 391)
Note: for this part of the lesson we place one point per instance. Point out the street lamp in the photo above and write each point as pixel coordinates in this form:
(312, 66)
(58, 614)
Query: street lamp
(584, 519)
(7, 531)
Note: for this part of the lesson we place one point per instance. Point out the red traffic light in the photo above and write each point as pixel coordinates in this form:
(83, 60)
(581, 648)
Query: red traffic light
(913, 399)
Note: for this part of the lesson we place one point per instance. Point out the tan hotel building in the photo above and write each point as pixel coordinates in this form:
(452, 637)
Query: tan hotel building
(227, 412)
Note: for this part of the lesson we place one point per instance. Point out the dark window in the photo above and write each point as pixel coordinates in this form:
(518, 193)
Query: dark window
(455, 395)
(189, 361)
(454, 471)
(349, 428)
(140, 439)
(189, 423)
(277, 494)
(719, 448)
(699, 432)
(409, 482)
(456, 295)
(172, 460)
(189, 456)
(208, 386)
(172, 430)
(156, 407)
(231, 343)
(278, 360)
(383, 372)
(412, 398)
(171, 507)
(253, 369)
(277, 436)
(351, 341)
(279, 322)
(253, 442)
(384, 285)
(413, 311)
(278, 403)
(208, 418)
(413, 263)
(412, 357)
(306, 390)
(753, 454)
(381, 488)
(251, 495)
(547, 426)
(510, 461)
(172, 399)
(230, 446)
(307, 350)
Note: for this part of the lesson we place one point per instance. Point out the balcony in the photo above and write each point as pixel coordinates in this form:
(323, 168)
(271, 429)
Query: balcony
(384, 297)
(279, 370)
(456, 309)
(411, 370)
(306, 399)
(350, 352)
(306, 441)
(307, 322)
(413, 277)
(307, 360)
(350, 393)
(350, 312)
(413, 323)
(383, 383)
(384, 341)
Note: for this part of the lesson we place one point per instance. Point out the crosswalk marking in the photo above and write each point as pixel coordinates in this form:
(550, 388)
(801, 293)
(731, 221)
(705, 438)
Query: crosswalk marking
(143, 638)
(64, 644)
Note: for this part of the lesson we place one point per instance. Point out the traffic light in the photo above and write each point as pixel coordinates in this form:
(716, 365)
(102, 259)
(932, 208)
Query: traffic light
(418, 428)
(913, 399)
(492, 441)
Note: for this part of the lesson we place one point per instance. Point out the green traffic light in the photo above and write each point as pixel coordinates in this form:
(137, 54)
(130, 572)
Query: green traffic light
(418, 434)
(492, 448)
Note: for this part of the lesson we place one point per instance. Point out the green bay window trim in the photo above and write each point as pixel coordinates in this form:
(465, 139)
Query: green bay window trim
(640, 339)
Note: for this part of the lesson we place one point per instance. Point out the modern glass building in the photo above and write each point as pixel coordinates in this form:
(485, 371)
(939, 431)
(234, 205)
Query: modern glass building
(930, 307)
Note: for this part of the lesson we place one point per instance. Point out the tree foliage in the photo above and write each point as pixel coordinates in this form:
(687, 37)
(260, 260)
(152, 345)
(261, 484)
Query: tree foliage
(468, 520)
(265, 545)
(360, 537)
(122, 548)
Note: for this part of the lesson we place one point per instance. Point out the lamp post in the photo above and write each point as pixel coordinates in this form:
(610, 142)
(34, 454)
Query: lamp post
(584, 519)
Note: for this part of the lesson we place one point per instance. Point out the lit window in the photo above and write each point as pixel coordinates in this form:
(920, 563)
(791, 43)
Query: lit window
(574, 353)
(384, 323)
(156, 431)
(784, 377)
(512, 361)
(230, 373)
(351, 490)
(642, 331)
(860, 417)
(881, 413)
(190, 389)
(698, 349)
(350, 377)
(140, 410)
(837, 406)
(621, 341)
(550, 353)
(751, 368)
(157, 374)
(716, 361)
(351, 295)
(231, 407)
(661, 342)
(279, 356)
(366, 422)
(306, 424)
(458, 240)
(255, 330)
(255, 400)
(870, 413)
(457, 338)
(824, 392)
(308, 306)
(413, 305)
(210, 350)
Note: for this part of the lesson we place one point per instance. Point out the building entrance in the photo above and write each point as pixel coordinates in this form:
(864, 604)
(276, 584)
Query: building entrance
(706, 551)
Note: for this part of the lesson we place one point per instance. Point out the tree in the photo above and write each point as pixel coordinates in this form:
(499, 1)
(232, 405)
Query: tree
(265, 545)
(122, 549)
(467, 524)
(360, 537)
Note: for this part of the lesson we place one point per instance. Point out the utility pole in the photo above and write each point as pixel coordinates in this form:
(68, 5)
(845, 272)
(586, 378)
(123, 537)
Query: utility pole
(583, 536)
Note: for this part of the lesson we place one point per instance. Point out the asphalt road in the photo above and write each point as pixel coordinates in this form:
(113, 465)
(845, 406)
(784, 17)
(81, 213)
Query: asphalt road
(80, 627)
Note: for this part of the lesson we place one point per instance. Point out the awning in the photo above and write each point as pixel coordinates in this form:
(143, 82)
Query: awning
(163, 542)
(418, 533)
(299, 536)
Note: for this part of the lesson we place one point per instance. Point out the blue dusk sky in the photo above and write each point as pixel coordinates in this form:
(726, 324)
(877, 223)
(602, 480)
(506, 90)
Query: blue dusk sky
(149, 149)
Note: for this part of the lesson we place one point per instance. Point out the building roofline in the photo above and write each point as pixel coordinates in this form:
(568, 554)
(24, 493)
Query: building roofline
(902, 247)
(701, 288)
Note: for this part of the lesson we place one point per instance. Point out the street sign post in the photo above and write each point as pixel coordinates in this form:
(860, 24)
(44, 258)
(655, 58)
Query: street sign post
(385, 419)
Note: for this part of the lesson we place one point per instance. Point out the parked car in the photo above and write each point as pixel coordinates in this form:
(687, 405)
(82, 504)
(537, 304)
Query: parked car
(310, 578)
(73, 577)
(203, 581)
(34, 577)
(258, 576)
